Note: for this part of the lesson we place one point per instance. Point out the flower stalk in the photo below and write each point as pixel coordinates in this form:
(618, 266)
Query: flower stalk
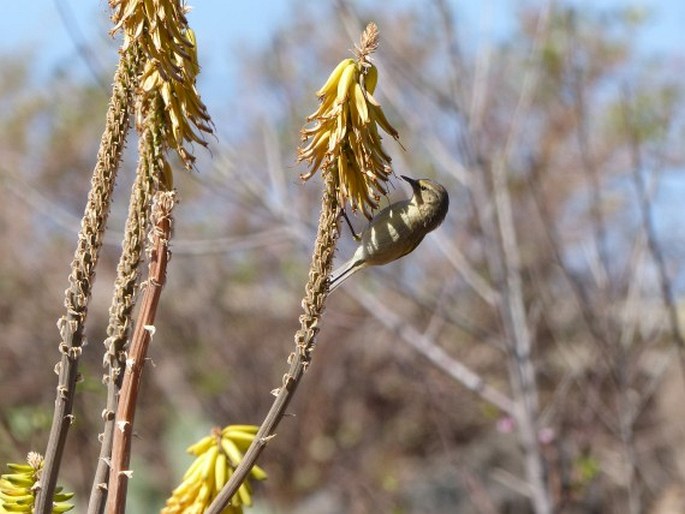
(86, 256)
(344, 143)
(316, 291)
(169, 115)
(136, 357)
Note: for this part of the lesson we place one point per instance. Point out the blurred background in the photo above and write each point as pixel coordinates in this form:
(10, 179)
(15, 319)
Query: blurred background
(558, 131)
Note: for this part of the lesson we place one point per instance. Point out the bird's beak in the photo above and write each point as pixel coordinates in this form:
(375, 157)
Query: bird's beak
(413, 183)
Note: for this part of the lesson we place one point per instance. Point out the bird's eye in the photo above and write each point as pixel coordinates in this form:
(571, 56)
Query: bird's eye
(423, 188)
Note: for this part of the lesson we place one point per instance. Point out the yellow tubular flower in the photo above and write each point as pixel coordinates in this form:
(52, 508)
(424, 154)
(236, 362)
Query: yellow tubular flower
(17, 492)
(160, 29)
(343, 138)
(217, 455)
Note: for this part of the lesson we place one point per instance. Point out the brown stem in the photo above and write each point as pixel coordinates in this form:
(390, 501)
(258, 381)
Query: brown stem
(125, 293)
(98, 494)
(316, 292)
(86, 255)
(140, 341)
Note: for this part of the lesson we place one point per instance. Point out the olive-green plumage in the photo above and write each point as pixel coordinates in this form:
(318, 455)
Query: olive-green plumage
(398, 229)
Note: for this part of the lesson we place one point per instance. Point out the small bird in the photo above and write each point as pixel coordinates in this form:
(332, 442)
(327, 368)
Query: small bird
(397, 230)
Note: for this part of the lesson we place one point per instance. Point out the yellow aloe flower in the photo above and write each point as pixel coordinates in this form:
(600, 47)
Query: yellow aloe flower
(160, 29)
(344, 138)
(18, 488)
(218, 454)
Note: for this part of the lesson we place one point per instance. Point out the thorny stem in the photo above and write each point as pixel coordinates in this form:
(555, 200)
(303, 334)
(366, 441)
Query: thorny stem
(316, 292)
(86, 255)
(140, 341)
(98, 494)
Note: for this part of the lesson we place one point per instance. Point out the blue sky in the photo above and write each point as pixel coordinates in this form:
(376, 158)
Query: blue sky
(223, 25)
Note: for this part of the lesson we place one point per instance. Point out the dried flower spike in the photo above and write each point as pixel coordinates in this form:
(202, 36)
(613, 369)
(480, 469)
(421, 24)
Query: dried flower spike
(343, 139)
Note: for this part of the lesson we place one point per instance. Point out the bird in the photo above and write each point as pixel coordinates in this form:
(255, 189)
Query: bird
(397, 229)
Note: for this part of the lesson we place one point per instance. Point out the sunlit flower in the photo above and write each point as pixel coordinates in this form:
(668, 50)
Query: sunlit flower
(18, 488)
(343, 138)
(160, 29)
(217, 455)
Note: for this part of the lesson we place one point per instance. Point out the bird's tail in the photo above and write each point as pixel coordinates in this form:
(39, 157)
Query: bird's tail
(340, 274)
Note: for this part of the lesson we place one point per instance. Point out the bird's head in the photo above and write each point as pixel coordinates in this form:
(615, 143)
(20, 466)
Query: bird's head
(432, 199)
